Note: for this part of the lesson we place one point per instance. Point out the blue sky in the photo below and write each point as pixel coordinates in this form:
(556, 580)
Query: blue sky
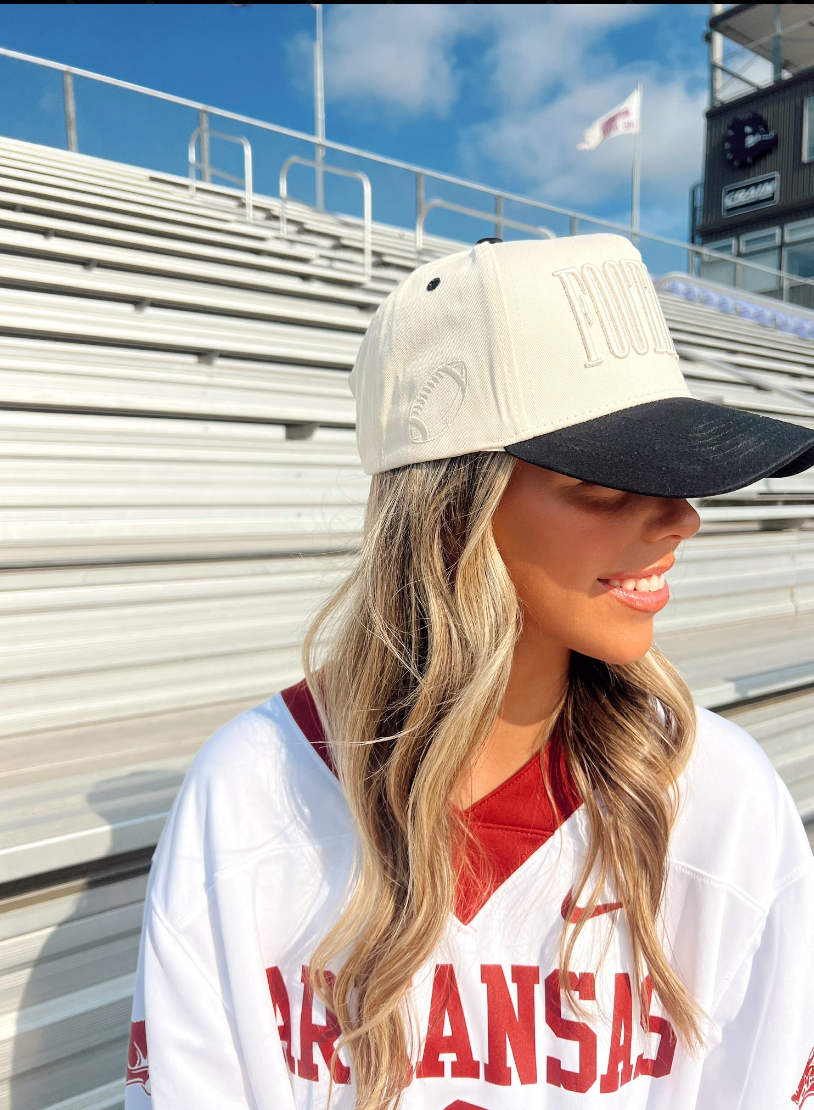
(498, 93)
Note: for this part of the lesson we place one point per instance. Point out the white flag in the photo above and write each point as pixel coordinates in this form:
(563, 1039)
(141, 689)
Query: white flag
(624, 119)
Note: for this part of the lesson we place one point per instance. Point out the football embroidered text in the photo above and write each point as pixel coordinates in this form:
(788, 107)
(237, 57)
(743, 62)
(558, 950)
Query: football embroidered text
(616, 310)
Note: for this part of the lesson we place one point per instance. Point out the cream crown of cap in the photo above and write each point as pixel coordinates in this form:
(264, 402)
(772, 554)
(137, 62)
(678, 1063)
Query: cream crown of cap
(505, 342)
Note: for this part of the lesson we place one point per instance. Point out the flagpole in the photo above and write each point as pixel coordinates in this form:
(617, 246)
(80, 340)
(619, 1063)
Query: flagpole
(637, 168)
(319, 110)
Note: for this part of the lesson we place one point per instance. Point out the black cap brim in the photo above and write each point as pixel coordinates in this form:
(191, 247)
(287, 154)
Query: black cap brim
(678, 447)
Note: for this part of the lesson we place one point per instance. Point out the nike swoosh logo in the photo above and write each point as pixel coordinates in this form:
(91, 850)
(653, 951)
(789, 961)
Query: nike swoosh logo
(579, 912)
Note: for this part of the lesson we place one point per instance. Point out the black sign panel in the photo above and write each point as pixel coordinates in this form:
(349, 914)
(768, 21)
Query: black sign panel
(746, 196)
(747, 140)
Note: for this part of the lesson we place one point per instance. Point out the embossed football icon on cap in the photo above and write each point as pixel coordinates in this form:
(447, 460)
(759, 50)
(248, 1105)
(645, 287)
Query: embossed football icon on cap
(437, 402)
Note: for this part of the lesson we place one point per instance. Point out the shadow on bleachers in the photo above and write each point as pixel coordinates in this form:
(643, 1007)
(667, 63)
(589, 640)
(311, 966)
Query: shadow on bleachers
(74, 1009)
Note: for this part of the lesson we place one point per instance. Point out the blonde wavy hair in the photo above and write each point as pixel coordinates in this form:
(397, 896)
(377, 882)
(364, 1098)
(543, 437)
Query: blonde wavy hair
(408, 662)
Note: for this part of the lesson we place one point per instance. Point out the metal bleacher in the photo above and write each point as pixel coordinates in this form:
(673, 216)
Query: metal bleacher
(180, 486)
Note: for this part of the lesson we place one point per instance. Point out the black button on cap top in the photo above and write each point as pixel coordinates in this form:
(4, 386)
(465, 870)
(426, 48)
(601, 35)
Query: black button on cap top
(488, 241)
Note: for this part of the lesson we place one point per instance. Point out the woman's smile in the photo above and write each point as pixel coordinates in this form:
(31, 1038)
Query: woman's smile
(645, 590)
(646, 601)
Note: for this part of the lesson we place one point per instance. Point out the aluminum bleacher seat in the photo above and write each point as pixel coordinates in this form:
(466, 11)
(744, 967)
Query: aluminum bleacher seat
(180, 487)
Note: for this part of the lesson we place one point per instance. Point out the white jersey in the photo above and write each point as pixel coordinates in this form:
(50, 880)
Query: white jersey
(252, 870)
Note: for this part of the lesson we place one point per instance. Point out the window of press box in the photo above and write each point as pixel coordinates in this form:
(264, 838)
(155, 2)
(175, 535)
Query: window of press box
(758, 281)
(763, 249)
(808, 129)
(722, 272)
(759, 240)
(799, 229)
(798, 258)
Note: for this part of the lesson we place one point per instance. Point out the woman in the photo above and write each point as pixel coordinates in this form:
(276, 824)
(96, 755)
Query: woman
(488, 854)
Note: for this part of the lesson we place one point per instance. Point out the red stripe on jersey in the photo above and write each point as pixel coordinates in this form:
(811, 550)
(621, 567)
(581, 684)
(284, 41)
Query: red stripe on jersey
(505, 828)
(301, 706)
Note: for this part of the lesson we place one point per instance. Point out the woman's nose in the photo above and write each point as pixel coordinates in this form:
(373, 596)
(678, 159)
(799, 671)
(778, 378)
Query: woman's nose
(675, 518)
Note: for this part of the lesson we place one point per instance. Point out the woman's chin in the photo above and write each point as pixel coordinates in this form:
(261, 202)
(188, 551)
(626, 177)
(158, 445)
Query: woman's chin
(624, 649)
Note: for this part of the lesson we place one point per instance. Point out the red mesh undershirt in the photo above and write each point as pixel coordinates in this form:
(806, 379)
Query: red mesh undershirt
(505, 827)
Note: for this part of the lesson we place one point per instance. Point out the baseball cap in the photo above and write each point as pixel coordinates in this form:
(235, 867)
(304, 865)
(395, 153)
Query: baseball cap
(557, 352)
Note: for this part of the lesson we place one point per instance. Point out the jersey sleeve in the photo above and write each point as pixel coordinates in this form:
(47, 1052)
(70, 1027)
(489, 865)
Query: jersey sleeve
(182, 1049)
(765, 1058)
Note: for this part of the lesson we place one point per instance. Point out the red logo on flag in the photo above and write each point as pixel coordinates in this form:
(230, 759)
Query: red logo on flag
(138, 1071)
(806, 1087)
(618, 119)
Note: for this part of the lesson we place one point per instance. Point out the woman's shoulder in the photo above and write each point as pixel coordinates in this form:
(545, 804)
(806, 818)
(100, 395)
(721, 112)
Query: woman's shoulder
(265, 751)
(258, 786)
(737, 824)
(726, 753)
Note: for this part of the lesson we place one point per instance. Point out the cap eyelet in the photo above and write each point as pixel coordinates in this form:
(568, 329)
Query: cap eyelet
(433, 284)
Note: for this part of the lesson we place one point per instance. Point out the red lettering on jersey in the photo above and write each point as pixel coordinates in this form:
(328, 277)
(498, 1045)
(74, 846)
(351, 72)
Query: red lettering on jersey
(282, 1011)
(806, 1087)
(518, 1027)
(580, 1081)
(138, 1069)
(662, 1063)
(458, 1105)
(445, 1005)
(620, 1065)
(322, 1036)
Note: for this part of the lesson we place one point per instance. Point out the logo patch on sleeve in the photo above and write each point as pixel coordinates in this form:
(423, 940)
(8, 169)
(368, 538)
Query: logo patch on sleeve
(806, 1088)
(138, 1071)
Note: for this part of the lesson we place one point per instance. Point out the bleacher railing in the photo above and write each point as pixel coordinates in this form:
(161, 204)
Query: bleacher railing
(204, 164)
(661, 253)
(321, 167)
(501, 221)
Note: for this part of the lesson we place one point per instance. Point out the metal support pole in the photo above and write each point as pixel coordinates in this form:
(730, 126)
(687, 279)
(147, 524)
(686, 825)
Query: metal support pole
(777, 43)
(70, 110)
(319, 111)
(206, 165)
(419, 209)
(498, 217)
(716, 57)
(637, 169)
(574, 225)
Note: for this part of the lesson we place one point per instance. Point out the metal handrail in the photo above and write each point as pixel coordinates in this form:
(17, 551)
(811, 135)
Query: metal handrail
(367, 229)
(497, 218)
(419, 171)
(693, 354)
(205, 166)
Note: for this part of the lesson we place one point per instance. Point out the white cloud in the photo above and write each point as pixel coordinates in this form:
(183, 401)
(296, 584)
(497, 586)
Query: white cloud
(399, 55)
(403, 54)
(538, 48)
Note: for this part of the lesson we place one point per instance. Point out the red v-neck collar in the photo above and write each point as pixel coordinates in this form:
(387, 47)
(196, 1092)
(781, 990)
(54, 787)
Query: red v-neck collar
(505, 828)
